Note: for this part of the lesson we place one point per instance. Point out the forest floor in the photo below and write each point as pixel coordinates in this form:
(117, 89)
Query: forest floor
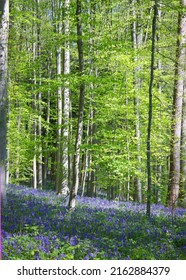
(37, 225)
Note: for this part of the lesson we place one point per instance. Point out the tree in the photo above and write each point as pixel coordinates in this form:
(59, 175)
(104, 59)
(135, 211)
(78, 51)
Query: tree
(149, 176)
(59, 104)
(76, 167)
(40, 157)
(66, 99)
(4, 26)
(137, 42)
(183, 147)
(174, 176)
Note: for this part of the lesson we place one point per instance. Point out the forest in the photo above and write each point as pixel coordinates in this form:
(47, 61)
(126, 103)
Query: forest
(93, 129)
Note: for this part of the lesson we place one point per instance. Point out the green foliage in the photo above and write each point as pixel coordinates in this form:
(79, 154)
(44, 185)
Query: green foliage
(116, 79)
(28, 247)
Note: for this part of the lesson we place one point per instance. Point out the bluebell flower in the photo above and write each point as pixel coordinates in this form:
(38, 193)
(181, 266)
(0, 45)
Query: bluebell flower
(37, 257)
(86, 257)
(73, 241)
(107, 225)
(63, 256)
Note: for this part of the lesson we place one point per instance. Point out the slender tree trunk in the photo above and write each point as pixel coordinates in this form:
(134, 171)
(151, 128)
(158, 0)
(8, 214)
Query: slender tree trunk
(85, 162)
(46, 146)
(34, 163)
(17, 172)
(92, 142)
(183, 148)
(34, 157)
(74, 190)
(34, 103)
(159, 169)
(158, 174)
(149, 178)
(8, 147)
(70, 156)
(4, 26)
(174, 176)
(137, 85)
(46, 158)
(128, 177)
(66, 99)
(40, 157)
(59, 119)
(92, 71)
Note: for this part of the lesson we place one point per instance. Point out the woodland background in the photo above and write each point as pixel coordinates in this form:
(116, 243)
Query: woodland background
(96, 98)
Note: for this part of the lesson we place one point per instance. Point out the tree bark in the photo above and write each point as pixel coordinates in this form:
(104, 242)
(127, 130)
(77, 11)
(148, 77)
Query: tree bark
(8, 145)
(76, 167)
(4, 27)
(183, 148)
(149, 178)
(59, 118)
(48, 113)
(85, 162)
(40, 157)
(34, 163)
(66, 98)
(137, 84)
(174, 175)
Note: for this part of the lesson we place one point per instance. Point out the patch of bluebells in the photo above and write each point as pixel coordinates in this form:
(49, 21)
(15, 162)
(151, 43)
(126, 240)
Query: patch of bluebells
(37, 225)
(73, 241)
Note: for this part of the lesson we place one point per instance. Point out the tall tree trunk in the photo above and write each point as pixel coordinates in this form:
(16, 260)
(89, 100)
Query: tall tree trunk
(128, 177)
(4, 26)
(85, 162)
(92, 189)
(183, 148)
(34, 163)
(34, 102)
(66, 99)
(159, 168)
(8, 146)
(46, 158)
(137, 84)
(74, 189)
(40, 157)
(59, 118)
(149, 178)
(17, 171)
(174, 176)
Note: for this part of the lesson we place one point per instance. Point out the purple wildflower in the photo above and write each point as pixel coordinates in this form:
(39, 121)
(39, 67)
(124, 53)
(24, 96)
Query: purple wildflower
(73, 241)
